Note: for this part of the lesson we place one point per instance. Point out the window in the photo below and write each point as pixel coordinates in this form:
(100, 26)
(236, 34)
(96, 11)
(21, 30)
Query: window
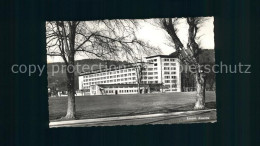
(167, 77)
(155, 64)
(174, 85)
(173, 72)
(155, 73)
(173, 77)
(166, 72)
(150, 69)
(166, 64)
(174, 81)
(166, 59)
(166, 68)
(150, 73)
(173, 64)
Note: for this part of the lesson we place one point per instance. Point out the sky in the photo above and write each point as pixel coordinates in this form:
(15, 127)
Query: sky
(156, 36)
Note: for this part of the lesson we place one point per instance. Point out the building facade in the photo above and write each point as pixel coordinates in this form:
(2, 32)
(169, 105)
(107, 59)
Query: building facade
(160, 70)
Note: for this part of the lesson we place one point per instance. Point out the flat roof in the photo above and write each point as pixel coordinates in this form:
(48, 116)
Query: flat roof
(127, 84)
(162, 56)
(106, 70)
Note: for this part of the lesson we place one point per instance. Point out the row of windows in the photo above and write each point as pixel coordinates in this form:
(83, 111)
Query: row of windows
(110, 77)
(167, 59)
(110, 73)
(167, 72)
(121, 91)
(149, 69)
(167, 64)
(150, 77)
(134, 82)
(114, 86)
(118, 76)
(168, 77)
(150, 73)
(149, 82)
(170, 81)
(111, 81)
(169, 68)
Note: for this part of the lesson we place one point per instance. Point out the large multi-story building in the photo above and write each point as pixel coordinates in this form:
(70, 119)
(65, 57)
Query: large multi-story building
(161, 73)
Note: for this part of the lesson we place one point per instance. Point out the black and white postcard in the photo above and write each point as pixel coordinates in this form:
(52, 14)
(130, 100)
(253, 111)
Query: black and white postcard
(131, 72)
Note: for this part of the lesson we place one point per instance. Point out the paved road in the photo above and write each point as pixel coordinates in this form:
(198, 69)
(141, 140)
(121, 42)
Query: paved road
(203, 116)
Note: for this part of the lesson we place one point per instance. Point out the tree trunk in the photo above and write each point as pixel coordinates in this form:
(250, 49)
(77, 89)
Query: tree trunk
(200, 93)
(71, 109)
(139, 88)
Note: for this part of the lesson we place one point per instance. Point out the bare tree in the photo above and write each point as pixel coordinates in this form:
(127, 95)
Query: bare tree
(190, 54)
(102, 39)
(139, 68)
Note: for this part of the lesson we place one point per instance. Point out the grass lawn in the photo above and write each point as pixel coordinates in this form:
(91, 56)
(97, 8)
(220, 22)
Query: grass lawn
(99, 106)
